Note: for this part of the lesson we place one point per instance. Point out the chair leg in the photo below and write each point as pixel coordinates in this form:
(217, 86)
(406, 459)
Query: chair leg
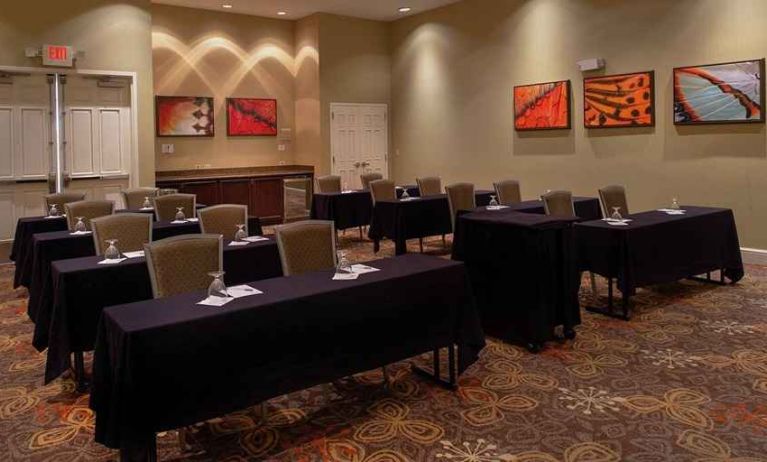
(444, 241)
(593, 284)
(420, 243)
(360, 232)
(182, 439)
(387, 382)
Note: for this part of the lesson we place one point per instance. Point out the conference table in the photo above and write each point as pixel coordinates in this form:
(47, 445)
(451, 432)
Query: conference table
(523, 272)
(168, 363)
(656, 247)
(586, 208)
(82, 288)
(349, 209)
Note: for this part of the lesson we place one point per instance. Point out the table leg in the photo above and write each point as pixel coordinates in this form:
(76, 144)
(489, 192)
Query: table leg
(609, 311)
(709, 280)
(82, 385)
(143, 451)
(434, 375)
(400, 247)
(376, 245)
(361, 238)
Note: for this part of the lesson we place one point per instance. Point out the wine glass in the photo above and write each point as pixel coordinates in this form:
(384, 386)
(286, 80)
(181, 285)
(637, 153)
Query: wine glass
(111, 253)
(180, 214)
(240, 235)
(53, 212)
(344, 267)
(616, 214)
(217, 287)
(674, 203)
(405, 194)
(147, 203)
(493, 201)
(80, 225)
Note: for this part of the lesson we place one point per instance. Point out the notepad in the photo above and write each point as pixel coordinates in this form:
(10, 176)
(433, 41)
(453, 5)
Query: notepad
(497, 207)
(617, 223)
(53, 218)
(238, 243)
(215, 301)
(345, 276)
(193, 220)
(178, 222)
(348, 191)
(112, 261)
(243, 290)
(78, 233)
(363, 269)
(673, 211)
(622, 220)
(136, 254)
(406, 199)
(255, 238)
(146, 208)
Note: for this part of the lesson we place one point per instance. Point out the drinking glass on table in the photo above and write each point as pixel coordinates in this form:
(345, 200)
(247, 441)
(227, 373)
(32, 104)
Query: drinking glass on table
(240, 235)
(217, 287)
(616, 214)
(111, 253)
(180, 214)
(53, 212)
(493, 201)
(674, 204)
(405, 194)
(80, 225)
(344, 267)
(147, 203)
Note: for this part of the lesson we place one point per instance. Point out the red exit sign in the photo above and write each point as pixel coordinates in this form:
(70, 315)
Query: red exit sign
(57, 55)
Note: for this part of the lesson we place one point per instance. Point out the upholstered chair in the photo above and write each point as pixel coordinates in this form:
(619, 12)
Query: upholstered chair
(614, 196)
(460, 196)
(329, 184)
(429, 186)
(132, 231)
(306, 246)
(383, 190)
(223, 219)
(182, 264)
(558, 203)
(88, 210)
(134, 198)
(508, 192)
(166, 191)
(165, 207)
(59, 199)
(367, 178)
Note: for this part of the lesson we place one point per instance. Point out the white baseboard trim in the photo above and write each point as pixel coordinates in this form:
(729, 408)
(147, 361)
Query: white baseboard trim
(754, 256)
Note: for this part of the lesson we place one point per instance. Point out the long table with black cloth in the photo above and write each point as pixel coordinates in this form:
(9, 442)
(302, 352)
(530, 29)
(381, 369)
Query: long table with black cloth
(82, 288)
(349, 209)
(154, 358)
(523, 272)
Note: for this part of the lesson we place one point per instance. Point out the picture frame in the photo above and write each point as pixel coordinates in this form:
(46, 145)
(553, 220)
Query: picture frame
(251, 117)
(543, 106)
(619, 100)
(184, 116)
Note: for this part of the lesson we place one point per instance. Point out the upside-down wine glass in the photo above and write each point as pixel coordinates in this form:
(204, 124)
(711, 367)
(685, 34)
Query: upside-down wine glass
(147, 203)
(217, 287)
(111, 252)
(240, 235)
(344, 267)
(180, 214)
(80, 225)
(53, 212)
(616, 214)
(674, 203)
(405, 194)
(493, 201)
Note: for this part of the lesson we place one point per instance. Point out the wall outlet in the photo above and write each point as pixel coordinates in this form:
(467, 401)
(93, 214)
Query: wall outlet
(282, 162)
(281, 147)
(168, 148)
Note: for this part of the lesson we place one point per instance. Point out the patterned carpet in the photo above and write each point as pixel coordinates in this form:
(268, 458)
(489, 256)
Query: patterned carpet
(685, 380)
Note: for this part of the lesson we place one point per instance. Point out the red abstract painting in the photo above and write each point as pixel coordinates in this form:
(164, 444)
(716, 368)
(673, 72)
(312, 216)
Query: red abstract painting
(542, 106)
(184, 116)
(251, 117)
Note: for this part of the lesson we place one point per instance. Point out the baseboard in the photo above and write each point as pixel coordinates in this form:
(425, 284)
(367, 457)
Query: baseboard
(754, 256)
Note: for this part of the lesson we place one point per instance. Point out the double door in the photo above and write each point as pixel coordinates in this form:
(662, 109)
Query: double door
(359, 141)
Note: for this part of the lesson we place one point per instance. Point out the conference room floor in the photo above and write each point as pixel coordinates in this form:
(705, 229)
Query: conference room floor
(685, 379)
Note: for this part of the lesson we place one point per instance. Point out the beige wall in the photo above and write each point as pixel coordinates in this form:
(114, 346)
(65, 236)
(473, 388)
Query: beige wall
(453, 71)
(205, 53)
(115, 35)
(308, 141)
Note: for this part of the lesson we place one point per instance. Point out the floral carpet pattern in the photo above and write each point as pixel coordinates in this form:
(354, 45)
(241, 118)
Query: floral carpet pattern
(684, 380)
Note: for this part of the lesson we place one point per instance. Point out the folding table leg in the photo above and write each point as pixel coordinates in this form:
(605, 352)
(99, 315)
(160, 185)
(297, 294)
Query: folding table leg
(143, 451)
(420, 243)
(435, 375)
(361, 233)
(82, 385)
(609, 311)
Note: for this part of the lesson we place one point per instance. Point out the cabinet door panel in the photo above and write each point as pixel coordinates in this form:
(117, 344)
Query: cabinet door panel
(266, 200)
(207, 191)
(236, 192)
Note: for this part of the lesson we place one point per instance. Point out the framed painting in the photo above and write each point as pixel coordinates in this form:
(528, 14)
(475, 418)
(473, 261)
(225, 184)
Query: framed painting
(251, 117)
(719, 93)
(623, 100)
(184, 116)
(542, 106)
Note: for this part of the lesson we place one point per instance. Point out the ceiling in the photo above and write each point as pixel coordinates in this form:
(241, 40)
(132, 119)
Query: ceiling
(382, 10)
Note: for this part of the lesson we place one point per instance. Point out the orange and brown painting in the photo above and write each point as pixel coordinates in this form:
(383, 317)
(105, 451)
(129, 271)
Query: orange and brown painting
(625, 100)
(542, 106)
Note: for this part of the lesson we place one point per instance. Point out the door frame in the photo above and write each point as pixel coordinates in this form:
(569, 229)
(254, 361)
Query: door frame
(388, 134)
(134, 168)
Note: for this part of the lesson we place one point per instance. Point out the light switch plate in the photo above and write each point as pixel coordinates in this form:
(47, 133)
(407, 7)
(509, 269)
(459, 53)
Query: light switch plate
(168, 148)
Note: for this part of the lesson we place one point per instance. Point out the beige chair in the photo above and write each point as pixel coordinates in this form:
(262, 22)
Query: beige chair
(558, 203)
(88, 210)
(368, 178)
(131, 230)
(460, 196)
(223, 219)
(306, 246)
(329, 184)
(383, 190)
(59, 199)
(182, 264)
(429, 186)
(508, 192)
(614, 196)
(134, 198)
(167, 191)
(165, 207)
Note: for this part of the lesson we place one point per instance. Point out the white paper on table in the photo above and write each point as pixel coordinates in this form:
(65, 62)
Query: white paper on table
(53, 218)
(497, 207)
(348, 191)
(617, 223)
(238, 243)
(215, 301)
(345, 276)
(146, 208)
(363, 269)
(243, 290)
(178, 222)
(622, 220)
(136, 254)
(399, 187)
(77, 233)
(405, 199)
(113, 261)
(193, 220)
(676, 212)
(255, 238)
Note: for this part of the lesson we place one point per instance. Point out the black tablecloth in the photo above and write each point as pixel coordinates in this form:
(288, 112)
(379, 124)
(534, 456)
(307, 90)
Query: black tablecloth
(523, 272)
(82, 289)
(167, 363)
(426, 216)
(350, 209)
(586, 208)
(21, 252)
(659, 248)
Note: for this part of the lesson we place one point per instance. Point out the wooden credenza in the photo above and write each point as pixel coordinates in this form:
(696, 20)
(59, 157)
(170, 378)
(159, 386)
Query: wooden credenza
(262, 189)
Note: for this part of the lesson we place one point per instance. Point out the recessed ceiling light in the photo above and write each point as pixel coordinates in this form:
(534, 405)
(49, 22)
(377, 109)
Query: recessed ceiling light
(226, 5)
(404, 9)
(282, 13)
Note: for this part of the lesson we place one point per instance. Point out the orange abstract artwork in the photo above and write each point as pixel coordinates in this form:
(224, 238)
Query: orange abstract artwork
(625, 100)
(542, 106)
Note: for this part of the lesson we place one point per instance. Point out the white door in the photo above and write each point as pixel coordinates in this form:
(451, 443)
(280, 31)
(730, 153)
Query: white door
(359, 141)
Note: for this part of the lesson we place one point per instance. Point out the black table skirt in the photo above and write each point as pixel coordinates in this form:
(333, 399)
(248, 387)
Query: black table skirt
(162, 364)
(658, 248)
(82, 289)
(21, 252)
(351, 209)
(523, 272)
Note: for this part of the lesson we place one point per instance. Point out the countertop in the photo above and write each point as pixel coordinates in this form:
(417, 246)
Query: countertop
(232, 173)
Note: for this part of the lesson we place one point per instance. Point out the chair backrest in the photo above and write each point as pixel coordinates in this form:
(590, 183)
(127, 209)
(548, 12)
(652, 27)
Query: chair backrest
(167, 191)
(134, 198)
(460, 196)
(558, 203)
(88, 210)
(165, 207)
(223, 219)
(132, 231)
(329, 184)
(383, 190)
(429, 186)
(182, 264)
(368, 178)
(306, 246)
(60, 199)
(614, 196)
(508, 192)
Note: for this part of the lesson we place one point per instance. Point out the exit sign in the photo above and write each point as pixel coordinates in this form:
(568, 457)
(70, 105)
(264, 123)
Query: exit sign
(57, 55)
